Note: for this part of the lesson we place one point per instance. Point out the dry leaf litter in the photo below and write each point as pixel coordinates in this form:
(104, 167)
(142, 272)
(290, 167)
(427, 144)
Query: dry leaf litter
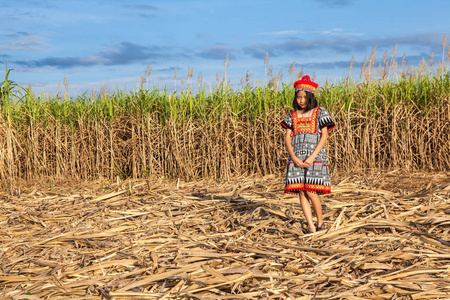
(386, 237)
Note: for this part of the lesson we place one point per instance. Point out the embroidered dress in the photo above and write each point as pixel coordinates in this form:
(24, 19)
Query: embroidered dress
(306, 133)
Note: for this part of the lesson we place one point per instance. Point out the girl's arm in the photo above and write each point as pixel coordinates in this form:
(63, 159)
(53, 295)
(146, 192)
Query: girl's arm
(319, 146)
(297, 161)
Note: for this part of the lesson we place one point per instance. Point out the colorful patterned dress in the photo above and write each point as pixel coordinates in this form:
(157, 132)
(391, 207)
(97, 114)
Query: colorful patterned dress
(306, 133)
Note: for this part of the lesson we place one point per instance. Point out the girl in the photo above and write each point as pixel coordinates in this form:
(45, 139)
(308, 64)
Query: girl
(307, 129)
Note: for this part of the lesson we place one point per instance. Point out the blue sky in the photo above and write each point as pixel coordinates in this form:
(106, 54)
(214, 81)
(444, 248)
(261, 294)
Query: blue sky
(113, 42)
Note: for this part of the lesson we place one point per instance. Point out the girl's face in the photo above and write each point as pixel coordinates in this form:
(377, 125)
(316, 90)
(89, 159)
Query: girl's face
(301, 100)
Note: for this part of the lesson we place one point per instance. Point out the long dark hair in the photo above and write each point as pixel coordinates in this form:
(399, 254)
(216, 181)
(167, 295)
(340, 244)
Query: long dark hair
(312, 102)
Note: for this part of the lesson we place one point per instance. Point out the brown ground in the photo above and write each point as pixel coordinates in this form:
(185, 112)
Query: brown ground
(387, 238)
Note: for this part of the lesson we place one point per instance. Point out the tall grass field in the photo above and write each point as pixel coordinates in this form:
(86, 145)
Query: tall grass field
(385, 120)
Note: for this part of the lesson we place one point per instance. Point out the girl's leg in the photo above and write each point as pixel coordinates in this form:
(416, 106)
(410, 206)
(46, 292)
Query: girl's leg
(307, 210)
(317, 207)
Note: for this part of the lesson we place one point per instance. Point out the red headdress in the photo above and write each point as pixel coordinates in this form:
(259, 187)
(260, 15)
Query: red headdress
(305, 84)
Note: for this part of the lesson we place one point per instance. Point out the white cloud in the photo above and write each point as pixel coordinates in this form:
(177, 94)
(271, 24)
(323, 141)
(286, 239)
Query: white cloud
(340, 32)
(23, 41)
(217, 52)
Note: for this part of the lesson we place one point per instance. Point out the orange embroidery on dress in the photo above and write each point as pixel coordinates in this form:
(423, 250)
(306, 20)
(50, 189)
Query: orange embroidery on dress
(304, 124)
(296, 187)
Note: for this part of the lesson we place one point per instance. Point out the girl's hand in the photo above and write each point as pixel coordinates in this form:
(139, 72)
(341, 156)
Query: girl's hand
(309, 161)
(299, 163)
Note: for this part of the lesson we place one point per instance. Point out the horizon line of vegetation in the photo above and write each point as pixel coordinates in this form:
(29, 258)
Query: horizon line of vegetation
(379, 86)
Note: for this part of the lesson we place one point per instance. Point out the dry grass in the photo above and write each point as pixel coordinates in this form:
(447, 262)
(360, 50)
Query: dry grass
(387, 238)
(138, 146)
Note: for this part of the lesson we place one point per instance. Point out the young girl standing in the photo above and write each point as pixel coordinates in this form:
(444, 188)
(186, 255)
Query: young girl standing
(307, 129)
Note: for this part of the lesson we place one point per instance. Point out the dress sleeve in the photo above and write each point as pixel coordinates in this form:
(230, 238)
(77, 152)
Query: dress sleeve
(287, 123)
(324, 119)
